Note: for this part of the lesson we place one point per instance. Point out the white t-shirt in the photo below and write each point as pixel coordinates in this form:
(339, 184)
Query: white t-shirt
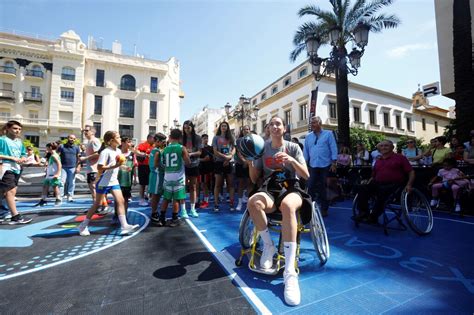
(107, 158)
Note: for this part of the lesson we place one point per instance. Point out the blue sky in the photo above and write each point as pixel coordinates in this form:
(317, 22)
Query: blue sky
(228, 48)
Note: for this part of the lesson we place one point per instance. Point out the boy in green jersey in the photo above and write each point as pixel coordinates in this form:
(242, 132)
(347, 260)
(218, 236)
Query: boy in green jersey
(173, 158)
(53, 175)
(126, 170)
(12, 155)
(157, 176)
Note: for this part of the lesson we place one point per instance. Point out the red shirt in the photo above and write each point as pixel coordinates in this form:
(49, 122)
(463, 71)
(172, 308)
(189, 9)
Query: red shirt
(144, 147)
(392, 169)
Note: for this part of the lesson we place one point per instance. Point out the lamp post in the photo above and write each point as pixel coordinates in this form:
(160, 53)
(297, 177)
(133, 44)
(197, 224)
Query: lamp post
(243, 111)
(165, 127)
(175, 123)
(339, 63)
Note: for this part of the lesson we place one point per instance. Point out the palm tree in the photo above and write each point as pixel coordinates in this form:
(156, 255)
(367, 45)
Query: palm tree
(347, 19)
(463, 51)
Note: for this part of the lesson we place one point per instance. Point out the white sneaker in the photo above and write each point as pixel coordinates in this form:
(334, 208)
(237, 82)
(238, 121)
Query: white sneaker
(245, 199)
(69, 199)
(239, 207)
(129, 229)
(433, 202)
(143, 203)
(84, 230)
(457, 208)
(266, 260)
(292, 288)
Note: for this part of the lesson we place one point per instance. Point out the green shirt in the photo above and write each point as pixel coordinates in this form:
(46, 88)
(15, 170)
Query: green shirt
(126, 171)
(14, 148)
(172, 160)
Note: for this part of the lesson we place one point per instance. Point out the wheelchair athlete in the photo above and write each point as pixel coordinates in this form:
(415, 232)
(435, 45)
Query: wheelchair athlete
(283, 164)
(390, 172)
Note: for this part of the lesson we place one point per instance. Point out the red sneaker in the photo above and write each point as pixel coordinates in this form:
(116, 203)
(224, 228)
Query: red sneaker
(204, 204)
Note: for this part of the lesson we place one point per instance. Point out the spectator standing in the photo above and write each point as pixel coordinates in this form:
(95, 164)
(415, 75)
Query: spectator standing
(375, 155)
(31, 157)
(453, 142)
(70, 154)
(224, 150)
(91, 157)
(458, 154)
(192, 142)
(142, 152)
(297, 141)
(469, 152)
(361, 157)
(468, 144)
(53, 175)
(157, 176)
(206, 169)
(412, 153)
(242, 172)
(440, 151)
(320, 153)
(12, 155)
(127, 170)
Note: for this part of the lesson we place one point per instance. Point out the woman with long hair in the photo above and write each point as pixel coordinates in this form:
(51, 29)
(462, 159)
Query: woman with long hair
(193, 143)
(242, 172)
(224, 150)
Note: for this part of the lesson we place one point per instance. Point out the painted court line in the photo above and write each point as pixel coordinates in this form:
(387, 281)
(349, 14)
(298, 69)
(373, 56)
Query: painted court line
(147, 220)
(227, 262)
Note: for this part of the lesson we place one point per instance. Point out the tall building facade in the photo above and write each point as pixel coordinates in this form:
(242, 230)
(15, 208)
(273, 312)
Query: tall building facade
(204, 121)
(54, 87)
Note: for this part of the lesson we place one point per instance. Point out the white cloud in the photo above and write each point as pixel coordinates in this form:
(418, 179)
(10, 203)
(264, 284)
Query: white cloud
(404, 50)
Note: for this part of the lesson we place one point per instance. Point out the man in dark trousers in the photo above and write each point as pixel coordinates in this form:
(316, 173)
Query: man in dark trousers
(320, 153)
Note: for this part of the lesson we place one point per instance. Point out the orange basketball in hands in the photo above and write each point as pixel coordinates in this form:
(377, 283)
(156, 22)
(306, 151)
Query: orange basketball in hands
(120, 159)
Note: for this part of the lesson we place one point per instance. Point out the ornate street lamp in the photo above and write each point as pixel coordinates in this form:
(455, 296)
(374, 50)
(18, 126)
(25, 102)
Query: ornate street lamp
(165, 127)
(243, 110)
(339, 64)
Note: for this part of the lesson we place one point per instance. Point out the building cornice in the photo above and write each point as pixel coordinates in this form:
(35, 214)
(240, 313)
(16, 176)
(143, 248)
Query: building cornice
(285, 92)
(435, 115)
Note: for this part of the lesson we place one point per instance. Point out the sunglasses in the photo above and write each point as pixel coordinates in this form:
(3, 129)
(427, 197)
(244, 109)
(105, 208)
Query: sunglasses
(86, 130)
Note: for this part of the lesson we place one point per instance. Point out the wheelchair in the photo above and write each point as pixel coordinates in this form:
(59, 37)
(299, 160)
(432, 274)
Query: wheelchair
(413, 207)
(252, 246)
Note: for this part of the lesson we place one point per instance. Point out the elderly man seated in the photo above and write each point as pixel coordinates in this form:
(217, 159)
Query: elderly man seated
(390, 172)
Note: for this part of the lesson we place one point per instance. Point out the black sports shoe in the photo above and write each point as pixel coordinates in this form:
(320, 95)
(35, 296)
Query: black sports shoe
(19, 219)
(155, 218)
(174, 222)
(161, 222)
(41, 203)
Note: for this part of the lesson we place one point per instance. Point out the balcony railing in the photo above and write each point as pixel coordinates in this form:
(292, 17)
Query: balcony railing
(34, 73)
(302, 123)
(69, 77)
(7, 94)
(34, 121)
(6, 69)
(36, 97)
(128, 87)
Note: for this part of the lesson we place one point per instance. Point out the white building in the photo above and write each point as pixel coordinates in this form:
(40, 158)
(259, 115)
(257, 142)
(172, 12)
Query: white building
(204, 121)
(55, 87)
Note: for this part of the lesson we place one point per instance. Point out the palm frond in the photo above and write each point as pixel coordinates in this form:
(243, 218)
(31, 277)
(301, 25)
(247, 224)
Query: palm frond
(327, 16)
(371, 8)
(297, 51)
(382, 21)
(353, 14)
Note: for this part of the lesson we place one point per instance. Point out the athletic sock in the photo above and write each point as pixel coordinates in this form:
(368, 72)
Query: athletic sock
(123, 220)
(183, 207)
(163, 215)
(290, 256)
(266, 237)
(193, 207)
(174, 216)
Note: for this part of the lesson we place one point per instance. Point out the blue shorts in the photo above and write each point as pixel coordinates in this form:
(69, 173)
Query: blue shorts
(106, 189)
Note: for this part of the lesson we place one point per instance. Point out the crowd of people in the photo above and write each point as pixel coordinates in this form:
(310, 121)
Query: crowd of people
(288, 177)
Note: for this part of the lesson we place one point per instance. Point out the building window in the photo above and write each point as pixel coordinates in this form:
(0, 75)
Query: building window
(98, 129)
(127, 83)
(127, 108)
(7, 86)
(33, 114)
(264, 96)
(357, 114)
(287, 82)
(304, 111)
(126, 130)
(398, 121)
(153, 109)
(409, 124)
(33, 139)
(65, 117)
(423, 123)
(151, 130)
(386, 119)
(332, 110)
(254, 102)
(9, 67)
(254, 127)
(35, 91)
(67, 95)
(35, 71)
(436, 126)
(99, 78)
(372, 117)
(303, 72)
(264, 123)
(274, 90)
(154, 85)
(98, 105)
(68, 73)
(288, 117)
(4, 114)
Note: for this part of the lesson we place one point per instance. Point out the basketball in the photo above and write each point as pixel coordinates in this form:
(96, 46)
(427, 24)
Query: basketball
(251, 147)
(120, 159)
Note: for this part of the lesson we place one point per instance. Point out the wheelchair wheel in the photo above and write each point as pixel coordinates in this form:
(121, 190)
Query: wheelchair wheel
(417, 212)
(355, 209)
(319, 235)
(246, 230)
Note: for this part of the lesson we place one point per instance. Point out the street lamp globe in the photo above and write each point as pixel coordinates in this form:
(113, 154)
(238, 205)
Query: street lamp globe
(334, 35)
(227, 108)
(361, 34)
(354, 58)
(312, 45)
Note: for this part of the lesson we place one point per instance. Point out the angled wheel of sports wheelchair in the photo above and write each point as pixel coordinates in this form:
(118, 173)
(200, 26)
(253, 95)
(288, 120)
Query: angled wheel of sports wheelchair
(251, 244)
(413, 206)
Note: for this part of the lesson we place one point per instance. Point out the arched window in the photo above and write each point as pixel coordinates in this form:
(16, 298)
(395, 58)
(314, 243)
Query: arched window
(35, 71)
(9, 67)
(127, 83)
(68, 73)
(302, 72)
